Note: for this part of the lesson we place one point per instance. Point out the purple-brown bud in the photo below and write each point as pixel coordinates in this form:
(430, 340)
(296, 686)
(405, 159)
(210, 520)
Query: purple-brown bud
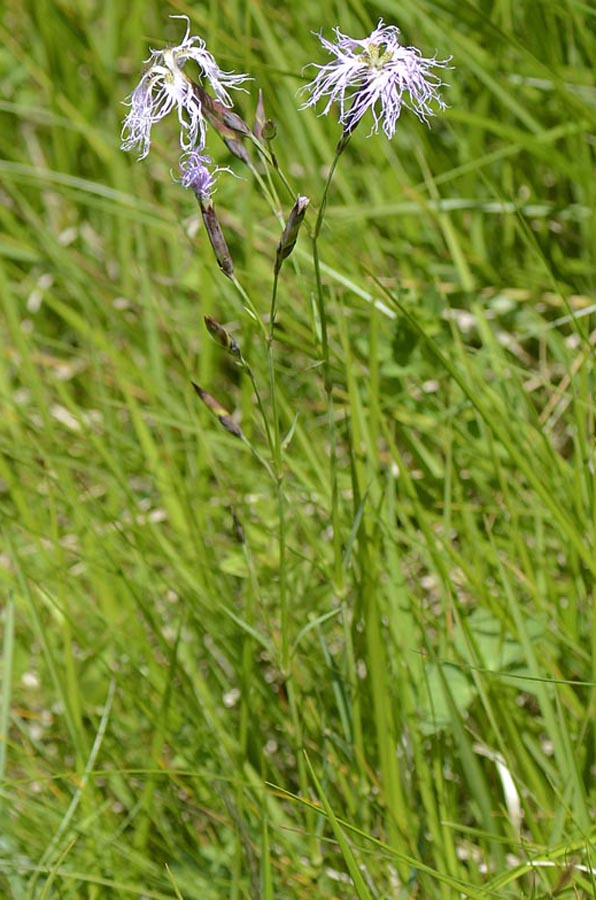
(222, 337)
(222, 414)
(260, 118)
(216, 237)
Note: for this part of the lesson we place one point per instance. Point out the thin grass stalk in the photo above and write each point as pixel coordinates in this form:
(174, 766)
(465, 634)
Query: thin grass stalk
(350, 860)
(341, 146)
(266, 868)
(5, 693)
(502, 429)
(271, 161)
(249, 306)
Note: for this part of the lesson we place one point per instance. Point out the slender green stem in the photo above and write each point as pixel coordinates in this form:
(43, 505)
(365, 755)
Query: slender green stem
(281, 501)
(271, 161)
(249, 305)
(273, 309)
(255, 387)
(272, 440)
(278, 465)
(341, 146)
(260, 459)
(272, 433)
(268, 190)
(283, 589)
(286, 663)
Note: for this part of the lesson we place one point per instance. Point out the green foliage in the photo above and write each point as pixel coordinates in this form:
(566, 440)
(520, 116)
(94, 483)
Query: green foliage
(348, 651)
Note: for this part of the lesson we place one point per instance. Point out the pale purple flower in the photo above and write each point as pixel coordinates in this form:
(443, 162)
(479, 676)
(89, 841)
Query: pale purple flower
(197, 174)
(164, 86)
(379, 74)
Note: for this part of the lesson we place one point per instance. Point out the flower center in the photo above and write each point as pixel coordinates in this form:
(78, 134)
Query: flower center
(376, 56)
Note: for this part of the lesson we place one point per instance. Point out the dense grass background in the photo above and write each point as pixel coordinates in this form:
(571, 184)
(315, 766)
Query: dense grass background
(403, 706)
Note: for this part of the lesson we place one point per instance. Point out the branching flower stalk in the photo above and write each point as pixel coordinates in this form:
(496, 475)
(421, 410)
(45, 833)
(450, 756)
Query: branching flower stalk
(231, 347)
(165, 87)
(197, 175)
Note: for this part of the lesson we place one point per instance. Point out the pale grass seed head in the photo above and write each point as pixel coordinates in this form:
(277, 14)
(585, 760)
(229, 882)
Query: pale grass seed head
(165, 87)
(376, 73)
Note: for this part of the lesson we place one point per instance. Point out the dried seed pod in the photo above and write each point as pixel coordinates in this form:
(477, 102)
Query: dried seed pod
(228, 124)
(222, 118)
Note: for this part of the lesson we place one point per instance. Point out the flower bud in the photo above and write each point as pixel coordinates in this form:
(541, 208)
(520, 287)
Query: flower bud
(260, 118)
(222, 337)
(289, 235)
(222, 414)
(216, 237)
(269, 130)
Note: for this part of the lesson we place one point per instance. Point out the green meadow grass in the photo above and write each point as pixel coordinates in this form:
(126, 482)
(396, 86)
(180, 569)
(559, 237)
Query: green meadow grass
(356, 660)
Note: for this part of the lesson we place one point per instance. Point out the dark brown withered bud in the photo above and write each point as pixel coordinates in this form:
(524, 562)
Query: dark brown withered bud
(238, 150)
(221, 412)
(222, 337)
(223, 119)
(289, 235)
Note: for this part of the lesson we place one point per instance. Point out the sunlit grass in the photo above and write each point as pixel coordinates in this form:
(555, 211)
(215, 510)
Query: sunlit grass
(352, 653)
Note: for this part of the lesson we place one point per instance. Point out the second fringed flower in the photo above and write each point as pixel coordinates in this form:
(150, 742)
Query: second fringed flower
(379, 74)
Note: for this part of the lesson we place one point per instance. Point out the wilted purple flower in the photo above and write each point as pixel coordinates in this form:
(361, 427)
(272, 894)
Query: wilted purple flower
(379, 74)
(196, 174)
(164, 86)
